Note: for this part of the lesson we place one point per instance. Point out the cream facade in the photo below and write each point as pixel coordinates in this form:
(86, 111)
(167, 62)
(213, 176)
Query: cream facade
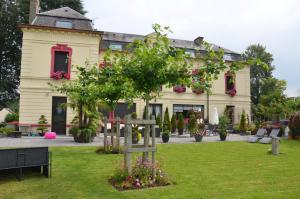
(86, 44)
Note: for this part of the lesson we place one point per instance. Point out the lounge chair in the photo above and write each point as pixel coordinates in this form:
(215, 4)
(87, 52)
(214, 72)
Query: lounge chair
(259, 135)
(267, 140)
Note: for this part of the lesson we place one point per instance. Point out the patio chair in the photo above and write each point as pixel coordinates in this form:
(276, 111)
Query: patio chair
(259, 135)
(267, 140)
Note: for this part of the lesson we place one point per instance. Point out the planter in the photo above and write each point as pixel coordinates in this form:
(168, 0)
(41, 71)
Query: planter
(82, 138)
(180, 131)
(223, 136)
(135, 138)
(165, 137)
(42, 134)
(198, 138)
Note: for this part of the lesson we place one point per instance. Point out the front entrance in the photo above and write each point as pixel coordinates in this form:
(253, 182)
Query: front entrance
(230, 113)
(59, 115)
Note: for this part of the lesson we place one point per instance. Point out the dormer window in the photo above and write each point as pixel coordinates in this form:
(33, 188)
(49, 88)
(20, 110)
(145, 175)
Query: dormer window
(61, 62)
(115, 46)
(64, 24)
(190, 52)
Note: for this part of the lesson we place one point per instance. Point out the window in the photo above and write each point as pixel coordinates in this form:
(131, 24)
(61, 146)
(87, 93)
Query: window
(230, 113)
(186, 109)
(156, 110)
(190, 52)
(61, 62)
(64, 24)
(115, 46)
(230, 84)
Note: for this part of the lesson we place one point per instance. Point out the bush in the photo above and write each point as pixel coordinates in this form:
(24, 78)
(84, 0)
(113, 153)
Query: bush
(141, 176)
(180, 124)
(223, 124)
(173, 123)
(158, 122)
(5, 131)
(192, 123)
(294, 125)
(243, 126)
(42, 122)
(167, 122)
(11, 117)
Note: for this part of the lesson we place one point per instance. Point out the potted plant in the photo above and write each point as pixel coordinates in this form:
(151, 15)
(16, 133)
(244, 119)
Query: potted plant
(180, 124)
(173, 123)
(165, 136)
(192, 126)
(223, 123)
(166, 122)
(198, 135)
(42, 125)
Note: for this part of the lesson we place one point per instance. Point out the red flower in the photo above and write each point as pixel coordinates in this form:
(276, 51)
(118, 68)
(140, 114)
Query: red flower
(231, 92)
(179, 89)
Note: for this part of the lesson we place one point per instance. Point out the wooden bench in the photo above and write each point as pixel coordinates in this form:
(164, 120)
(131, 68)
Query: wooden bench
(20, 158)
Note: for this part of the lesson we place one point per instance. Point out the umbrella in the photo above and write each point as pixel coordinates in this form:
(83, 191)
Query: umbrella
(215, 118)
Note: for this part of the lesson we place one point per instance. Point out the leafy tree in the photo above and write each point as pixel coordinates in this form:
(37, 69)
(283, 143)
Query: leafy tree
(260, 68)
(192, 123)
(243, 126)
(167, 122)
(173, 123)
(42, 122)
(12, 117)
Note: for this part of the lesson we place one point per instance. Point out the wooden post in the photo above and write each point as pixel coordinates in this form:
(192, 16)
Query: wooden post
(105, 134)
(275, 146)
(153, 145)
(118, 134)
(126, 143)
(129, 143)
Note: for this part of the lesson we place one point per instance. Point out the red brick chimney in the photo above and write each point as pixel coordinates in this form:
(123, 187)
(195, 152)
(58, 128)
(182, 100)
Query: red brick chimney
(34, 8)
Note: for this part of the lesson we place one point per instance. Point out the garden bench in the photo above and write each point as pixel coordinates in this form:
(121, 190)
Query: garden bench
(20, 158)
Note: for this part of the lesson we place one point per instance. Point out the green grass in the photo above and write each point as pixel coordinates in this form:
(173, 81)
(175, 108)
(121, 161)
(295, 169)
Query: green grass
(204, 170)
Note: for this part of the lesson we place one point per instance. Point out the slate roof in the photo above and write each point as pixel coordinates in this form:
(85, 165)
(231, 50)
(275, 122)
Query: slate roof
(125, 38)
(49, 18)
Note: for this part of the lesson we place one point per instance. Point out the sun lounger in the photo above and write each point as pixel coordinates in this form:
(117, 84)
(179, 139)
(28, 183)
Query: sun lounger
(259, 135)
(267, 140)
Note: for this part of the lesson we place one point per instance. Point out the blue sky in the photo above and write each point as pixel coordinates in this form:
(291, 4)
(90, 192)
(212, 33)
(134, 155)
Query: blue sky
(232, 24)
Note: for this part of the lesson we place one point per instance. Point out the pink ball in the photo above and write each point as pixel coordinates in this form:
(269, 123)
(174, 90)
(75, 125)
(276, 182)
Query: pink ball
(50, 135)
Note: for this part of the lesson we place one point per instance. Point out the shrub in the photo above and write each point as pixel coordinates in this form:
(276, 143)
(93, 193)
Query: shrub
(141, 176)
(167, 122)
(223, 124)
(165, 136)
(42, 122)
(243, 126)
(5, 131)
(173, 123)
(294, 125)
(158, 122)
(180, 124)
(192, 123)
(11, 117)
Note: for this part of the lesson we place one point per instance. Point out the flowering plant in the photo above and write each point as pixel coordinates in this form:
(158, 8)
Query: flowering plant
(141, 176)
(179, 89)
(59, 75)
(231, 92)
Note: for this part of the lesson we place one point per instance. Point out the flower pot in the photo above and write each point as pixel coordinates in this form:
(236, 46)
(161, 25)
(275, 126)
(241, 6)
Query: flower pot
(198, 138)
(223, 136)
(42, 134)
(180, 131)
(165, 137)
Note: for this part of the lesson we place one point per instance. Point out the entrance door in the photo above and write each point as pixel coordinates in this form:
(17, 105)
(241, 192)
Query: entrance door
(230, 113)
(59, 115)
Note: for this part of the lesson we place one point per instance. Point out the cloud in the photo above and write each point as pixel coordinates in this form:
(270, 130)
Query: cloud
(233, 24)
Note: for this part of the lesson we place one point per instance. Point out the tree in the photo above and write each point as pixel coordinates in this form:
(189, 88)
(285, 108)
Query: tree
(243, 126)
(260, 68)
(42, 124)
(167, 122)
(173, 123)
(158, 122)
(192, 123)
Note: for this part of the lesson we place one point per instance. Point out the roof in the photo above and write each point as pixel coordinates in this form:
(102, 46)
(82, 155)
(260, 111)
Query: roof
(125, 39)
(64, 14)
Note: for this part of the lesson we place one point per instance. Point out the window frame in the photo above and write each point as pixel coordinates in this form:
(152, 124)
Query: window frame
(61, 48)
(64, 21)
(228, 74)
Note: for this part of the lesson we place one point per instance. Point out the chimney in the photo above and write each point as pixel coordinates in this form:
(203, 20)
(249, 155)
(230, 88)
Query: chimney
(198, 41)
(34, 8)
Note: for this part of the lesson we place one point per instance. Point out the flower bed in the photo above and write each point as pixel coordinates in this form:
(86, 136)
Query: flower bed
(141, 177)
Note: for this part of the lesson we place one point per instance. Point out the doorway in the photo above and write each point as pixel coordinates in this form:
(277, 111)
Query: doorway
(59, 115)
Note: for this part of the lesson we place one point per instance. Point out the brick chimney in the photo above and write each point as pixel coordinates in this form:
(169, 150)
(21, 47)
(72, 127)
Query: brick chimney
(34, 8)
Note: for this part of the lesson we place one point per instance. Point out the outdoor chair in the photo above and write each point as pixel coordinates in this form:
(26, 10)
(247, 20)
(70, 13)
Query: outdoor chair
(267, 140)
(259, 135)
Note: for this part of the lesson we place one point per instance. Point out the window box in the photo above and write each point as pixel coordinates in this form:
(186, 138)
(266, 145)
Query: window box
(61, 62)
(179, 89)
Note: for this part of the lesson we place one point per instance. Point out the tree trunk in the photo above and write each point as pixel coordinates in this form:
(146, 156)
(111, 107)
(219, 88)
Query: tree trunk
(147, 131)
(80, 116)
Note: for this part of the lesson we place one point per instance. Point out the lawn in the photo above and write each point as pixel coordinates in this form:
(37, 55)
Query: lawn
(204, 170)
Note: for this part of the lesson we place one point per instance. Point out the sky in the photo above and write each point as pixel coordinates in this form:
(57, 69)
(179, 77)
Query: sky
(233, 24)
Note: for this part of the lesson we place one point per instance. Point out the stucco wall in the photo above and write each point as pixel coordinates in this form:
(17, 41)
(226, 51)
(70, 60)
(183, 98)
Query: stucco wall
(35, 93)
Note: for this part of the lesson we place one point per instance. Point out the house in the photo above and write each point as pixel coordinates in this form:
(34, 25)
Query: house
(56, 40)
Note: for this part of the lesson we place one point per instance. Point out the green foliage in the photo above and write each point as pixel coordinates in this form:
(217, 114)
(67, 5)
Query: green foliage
(243, 126)
(180, 124)
(167, 122)
(193, 126)
(11, 117)
(158, 121)
(42, 122)
(173, 123)
(133, 115)
(294, 125)
(223, 124)
(5, 131)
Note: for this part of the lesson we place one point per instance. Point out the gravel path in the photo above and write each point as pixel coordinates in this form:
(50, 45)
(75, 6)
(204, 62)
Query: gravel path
(68, 141)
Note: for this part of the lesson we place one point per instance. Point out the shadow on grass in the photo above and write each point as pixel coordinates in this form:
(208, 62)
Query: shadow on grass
(9, 175)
